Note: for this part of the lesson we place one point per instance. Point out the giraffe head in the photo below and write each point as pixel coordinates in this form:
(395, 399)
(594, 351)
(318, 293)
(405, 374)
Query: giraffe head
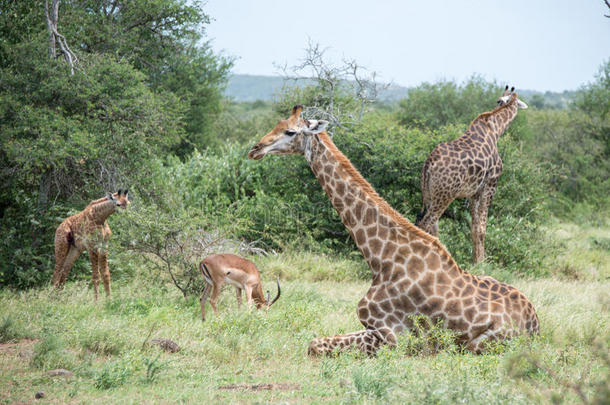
(120, 198)
(510, 97)
(289, 136)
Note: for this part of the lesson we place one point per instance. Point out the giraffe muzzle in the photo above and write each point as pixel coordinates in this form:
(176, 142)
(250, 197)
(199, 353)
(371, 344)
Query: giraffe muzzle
(256, 152)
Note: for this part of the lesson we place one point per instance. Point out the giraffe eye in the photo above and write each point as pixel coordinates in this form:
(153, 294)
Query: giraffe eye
(290, 132)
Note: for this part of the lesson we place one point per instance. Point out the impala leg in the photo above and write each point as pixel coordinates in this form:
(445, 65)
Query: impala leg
(367, 341)
(214, 298)
(249, 296)
(238, 294)
(204, 297)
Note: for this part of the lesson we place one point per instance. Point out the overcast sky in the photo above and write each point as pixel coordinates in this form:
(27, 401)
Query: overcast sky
(532, 44)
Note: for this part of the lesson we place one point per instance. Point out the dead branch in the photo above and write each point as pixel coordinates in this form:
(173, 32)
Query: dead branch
(333, 80)
(52, 17)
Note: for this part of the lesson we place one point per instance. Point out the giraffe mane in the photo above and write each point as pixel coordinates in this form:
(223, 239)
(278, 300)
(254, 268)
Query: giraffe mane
(494, 111)
(385, 207)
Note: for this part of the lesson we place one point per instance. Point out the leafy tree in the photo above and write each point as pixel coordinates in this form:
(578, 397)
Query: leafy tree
(433, 105)
(143, 80)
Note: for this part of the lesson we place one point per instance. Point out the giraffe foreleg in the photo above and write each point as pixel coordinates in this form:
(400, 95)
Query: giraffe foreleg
(367, 341)
(479, 344)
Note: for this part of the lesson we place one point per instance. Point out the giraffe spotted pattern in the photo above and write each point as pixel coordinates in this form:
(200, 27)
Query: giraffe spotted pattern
(413, 273)
(468, 167)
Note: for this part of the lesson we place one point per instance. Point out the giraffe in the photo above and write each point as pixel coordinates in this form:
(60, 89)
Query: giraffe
(467, 167)
(413, 273)
(87, 230)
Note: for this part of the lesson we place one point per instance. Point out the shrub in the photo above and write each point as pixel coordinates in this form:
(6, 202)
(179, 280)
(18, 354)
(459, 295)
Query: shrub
(9, 331)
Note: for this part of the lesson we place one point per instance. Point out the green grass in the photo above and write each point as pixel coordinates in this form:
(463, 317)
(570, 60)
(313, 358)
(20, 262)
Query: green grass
(106, 344)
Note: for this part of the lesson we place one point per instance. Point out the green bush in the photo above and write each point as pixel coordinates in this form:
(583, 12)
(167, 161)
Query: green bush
(433, 105)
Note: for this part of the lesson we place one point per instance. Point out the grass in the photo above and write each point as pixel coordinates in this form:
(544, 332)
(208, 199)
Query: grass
(230, 357)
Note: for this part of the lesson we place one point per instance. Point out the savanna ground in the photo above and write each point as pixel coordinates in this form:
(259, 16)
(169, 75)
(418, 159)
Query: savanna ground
(253, 357)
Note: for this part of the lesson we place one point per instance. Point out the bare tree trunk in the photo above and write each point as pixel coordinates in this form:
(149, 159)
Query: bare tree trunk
(52, 17)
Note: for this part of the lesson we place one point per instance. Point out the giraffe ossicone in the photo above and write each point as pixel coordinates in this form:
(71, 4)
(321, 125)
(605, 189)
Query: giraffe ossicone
(413, 273)
(468, 167)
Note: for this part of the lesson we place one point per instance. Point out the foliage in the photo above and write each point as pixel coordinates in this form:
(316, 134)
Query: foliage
(433, 105)
(577, 143)
(147, 84)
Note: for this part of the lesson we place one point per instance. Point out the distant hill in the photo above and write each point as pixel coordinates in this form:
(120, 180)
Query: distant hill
(242, 88)
(247, 88)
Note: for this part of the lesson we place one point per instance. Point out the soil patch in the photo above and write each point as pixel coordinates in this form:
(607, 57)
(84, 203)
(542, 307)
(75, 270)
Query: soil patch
(261, 387)
(16, 346)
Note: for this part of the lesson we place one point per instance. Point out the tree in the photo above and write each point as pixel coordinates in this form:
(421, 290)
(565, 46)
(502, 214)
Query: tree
(340, 94)
(68, 135)
(433, 105)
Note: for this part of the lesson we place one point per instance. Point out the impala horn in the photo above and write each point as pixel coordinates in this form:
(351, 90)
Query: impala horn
(279, 291)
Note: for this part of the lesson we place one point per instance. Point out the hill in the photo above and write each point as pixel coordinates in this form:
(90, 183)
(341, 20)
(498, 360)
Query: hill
(244, 88)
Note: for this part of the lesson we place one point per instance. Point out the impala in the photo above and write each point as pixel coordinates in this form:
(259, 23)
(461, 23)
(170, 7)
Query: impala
(241, 273)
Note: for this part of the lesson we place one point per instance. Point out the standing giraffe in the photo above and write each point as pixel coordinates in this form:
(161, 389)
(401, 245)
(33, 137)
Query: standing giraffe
(468, 167)
(413, 273)
(87, 230)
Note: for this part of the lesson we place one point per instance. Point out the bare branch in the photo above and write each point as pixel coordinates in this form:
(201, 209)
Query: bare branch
(344, 91)
(52, 17)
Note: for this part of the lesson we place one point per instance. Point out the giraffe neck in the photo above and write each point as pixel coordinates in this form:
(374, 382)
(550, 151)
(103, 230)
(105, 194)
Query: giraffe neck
(361, 209)
(494, 123)
(100, 211)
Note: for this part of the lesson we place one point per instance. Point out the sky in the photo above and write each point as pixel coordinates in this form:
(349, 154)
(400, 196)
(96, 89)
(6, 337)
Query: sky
(541, 45)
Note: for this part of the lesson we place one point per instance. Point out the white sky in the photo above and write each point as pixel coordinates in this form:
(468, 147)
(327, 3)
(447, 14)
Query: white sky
(532, 44)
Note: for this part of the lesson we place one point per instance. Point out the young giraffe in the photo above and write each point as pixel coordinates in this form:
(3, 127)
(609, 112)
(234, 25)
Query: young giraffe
(413, 273)
(87, 230)
(468, 167)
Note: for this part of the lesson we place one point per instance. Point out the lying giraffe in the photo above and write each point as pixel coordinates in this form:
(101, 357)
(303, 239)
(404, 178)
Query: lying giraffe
(468, 167)
(87, 230)
(413, 273)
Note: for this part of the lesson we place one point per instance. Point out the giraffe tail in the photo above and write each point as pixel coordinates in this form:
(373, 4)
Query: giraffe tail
(424, 191)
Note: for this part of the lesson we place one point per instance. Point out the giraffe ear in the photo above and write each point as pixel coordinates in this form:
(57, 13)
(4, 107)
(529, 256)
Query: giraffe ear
(315, 127)
(521, 104)
(110, 197)
(296, 110)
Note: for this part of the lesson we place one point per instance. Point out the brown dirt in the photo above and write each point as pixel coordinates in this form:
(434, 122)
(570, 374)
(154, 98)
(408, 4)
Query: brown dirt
(261, 387)
(8, 348)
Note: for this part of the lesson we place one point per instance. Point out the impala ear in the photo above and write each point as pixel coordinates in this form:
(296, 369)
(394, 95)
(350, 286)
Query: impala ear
(315, 127)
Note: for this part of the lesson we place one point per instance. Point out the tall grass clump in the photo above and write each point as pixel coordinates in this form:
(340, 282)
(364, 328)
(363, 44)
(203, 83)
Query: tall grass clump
(10, 331)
